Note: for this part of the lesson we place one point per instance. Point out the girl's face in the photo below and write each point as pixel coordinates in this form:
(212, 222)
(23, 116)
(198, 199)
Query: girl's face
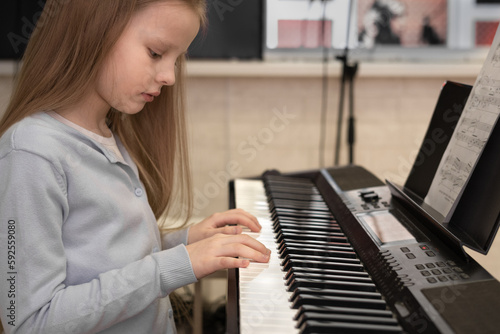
(144, 58)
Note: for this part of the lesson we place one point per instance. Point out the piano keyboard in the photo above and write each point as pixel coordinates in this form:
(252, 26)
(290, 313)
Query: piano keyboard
(314, 281)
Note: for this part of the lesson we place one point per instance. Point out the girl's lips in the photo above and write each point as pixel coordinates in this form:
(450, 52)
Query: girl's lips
(148, 97)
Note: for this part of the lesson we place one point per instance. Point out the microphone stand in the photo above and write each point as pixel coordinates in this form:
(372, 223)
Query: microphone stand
(348, 74)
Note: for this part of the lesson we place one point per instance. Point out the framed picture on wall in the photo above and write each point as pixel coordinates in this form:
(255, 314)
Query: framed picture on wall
(406, 23)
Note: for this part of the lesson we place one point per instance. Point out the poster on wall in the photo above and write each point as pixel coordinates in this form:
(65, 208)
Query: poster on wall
(292, 24)
(406, 23)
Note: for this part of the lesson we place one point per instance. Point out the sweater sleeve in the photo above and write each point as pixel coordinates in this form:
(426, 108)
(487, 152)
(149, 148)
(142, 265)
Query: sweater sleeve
(174, 238)
(34, 298)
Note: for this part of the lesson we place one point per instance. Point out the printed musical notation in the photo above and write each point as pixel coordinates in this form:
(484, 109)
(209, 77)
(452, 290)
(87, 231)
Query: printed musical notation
(471, 134)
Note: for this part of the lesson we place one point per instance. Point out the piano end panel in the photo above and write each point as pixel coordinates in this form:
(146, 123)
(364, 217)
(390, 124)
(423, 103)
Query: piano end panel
(232, 306)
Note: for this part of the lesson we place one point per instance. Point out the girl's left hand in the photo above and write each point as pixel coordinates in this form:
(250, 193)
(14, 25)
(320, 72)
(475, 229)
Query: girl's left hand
(218, 223)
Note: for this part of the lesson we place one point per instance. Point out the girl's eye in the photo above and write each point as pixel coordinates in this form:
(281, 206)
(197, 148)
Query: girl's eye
(154, 54)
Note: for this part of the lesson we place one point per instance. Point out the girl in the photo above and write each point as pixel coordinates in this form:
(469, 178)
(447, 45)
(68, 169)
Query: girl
(92, 155)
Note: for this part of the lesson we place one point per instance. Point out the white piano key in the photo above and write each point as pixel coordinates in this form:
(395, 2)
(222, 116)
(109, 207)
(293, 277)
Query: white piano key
(264, 301)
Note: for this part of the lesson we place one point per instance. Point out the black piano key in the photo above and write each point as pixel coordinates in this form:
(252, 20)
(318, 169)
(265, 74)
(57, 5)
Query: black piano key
(330, 284)
(297, 271)
(334, 246)
(320, 258)
(316, 316)
(343, 276)
(306, 224)
(318, 252)
(313, 197)
(274, 187)
(302, 214)
(343, 310)
(298, 205)
(335, 292)
(291, 263)
(288, 180)
(316, 326)
(305, 299)
(309, 220)
(313, 244)
(287, 183)
(316, 237)
(280, 224)
(326, 231)
(287, 235)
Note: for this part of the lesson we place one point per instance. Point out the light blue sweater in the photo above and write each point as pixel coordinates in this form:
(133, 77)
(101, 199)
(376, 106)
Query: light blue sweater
(80, 250)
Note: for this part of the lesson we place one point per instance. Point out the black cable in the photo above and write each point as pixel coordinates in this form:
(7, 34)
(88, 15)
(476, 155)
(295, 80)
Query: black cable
(347, 75)
(324, 91)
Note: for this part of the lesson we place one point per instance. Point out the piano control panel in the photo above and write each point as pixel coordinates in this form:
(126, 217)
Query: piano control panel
(405, 247)
(367, 199)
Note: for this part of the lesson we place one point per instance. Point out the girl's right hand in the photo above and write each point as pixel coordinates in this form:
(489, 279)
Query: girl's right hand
(221, 251)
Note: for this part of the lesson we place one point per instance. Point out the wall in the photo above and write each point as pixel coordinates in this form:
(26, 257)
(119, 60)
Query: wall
(243, 124)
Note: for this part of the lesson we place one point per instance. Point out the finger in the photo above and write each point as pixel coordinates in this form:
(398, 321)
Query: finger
(238, 217)
(231, 262)
(246, 252)
(227, 240)
(230, 230)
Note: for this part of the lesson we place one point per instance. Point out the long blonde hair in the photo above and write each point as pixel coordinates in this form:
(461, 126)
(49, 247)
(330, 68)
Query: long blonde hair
(62, 60)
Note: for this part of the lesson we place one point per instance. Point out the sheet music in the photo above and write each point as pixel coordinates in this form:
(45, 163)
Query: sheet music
(469, 137)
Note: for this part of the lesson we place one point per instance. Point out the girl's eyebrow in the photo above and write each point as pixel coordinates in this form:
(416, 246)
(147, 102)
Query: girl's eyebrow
(167, 46)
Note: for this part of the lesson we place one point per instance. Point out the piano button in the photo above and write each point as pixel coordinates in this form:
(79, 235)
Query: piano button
(447, 270)
(440, 264)
(464, 276)
(410, 256)
(442, 278)
(430, 265)
(431, 280)
(436, 271)
(419, 266)
(425, 273)
(405, 249)
(430, 253)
